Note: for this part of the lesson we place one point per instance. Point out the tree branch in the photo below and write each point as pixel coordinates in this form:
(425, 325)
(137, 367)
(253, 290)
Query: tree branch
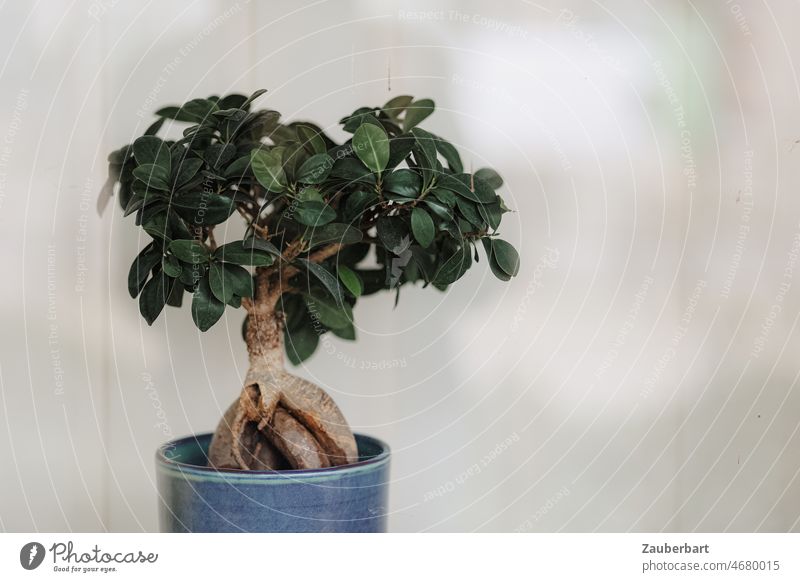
(315, 257)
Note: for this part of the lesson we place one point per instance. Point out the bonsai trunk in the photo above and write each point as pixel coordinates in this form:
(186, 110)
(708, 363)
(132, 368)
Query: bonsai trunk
(279, 421)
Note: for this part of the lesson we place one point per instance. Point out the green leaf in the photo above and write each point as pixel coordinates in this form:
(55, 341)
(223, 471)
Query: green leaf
(439, 209)
(217, 155)
(171, 266)
(351, 281)
(239, 168)
(506, 256)
(427, 144)
(422, 226)
(252, 98)
(393, 233)
(352, 170)
(492, 214)
(187, 170)
(325, 277)
(371, 145)
(399, 149)
(403, 182)
(310, 138)
(315, 169)
(469, 210)
(314, 213)
(196, 110)
(446, 197)
(206, 309)
(416, 112)
(357, 203)
(154, 296)
(495, 268)
(360, 116)
(396, 105)
(189, 251)
(149, 149)
(203, 208)
(260, 244)
(450, 153)
(347, 332)
(216, 281)
(454, 267)
(267, 167)
(154, 176)
(335, 232)
(330, 314)
(228, 280)
(235, 252)
(462, 184)
(141, 267)
(489, 176)
(300, 343)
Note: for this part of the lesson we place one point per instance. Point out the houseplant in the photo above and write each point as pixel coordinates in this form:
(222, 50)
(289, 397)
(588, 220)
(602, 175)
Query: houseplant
(324, 224)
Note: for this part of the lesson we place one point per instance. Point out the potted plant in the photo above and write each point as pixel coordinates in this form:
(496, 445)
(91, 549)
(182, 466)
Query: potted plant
(323, 224)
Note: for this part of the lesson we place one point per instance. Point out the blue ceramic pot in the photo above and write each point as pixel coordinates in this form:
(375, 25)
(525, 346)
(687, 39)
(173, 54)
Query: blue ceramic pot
(198, 498)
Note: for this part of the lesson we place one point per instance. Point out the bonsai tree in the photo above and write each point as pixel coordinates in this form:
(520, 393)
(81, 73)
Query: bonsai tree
(323, 224)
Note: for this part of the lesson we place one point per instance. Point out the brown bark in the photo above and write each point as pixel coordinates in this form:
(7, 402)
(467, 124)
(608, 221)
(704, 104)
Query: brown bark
(279, 420)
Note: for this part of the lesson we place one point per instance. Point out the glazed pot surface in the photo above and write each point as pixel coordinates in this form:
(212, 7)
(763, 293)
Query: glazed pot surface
(196, 498)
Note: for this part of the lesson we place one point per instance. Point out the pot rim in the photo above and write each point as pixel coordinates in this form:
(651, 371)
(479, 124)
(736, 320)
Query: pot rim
(165, 461)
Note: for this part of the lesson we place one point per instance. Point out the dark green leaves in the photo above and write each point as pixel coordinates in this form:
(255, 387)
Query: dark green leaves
(187, 170)
(393, 233)
(253, 97)
(140, 269)
(154, 176)
(422, 226)
(399, 215)
(206, 308)
(152, 150)
(203, 208)
(325, 277)
(416, 112)
(238, 254)
(196, 111)
(332, 315)
(489, 176)
(395, 106)
(351, 170)
(471, 188)
(406, 183)
(350, 280)
(315, 169)
(300, 343)
(371, 145)
(334, 233)
(154, 296)
(227, 280)
(454, 266)
(503, 258)
(189, 251)
(268, 168)
(313, 213)
(506, 256)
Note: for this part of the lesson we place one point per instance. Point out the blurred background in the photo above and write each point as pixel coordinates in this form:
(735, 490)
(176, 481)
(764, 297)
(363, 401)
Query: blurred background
(640, 374)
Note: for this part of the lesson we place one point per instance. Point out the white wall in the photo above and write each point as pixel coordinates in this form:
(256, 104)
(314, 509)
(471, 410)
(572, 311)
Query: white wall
(631, 378)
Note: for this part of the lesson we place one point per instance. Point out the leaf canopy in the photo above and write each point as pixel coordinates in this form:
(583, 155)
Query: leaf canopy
(333, 222)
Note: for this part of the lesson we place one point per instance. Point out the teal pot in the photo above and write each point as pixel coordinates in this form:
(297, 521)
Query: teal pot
(197, 498)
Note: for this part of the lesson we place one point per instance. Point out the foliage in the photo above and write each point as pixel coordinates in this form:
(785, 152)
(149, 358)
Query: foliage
(390, 206)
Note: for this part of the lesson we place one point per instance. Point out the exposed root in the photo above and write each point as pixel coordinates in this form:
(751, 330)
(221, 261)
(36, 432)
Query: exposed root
(279, 420)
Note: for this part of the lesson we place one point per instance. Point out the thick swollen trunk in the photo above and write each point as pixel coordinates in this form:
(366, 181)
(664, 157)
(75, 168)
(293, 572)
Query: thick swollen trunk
(279, 421)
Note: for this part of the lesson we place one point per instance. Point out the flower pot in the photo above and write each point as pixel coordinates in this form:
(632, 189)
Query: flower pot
(198, 498)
